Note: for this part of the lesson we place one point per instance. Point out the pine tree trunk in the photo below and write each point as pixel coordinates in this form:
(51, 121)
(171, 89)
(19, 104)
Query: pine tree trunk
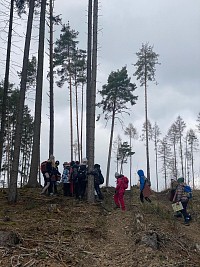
(181, 150)
(38, 101)
(147, 135)
(89, 69)
(71, 114)
(130, 164)
(110, 147)
(77, 121)
(81, 133)
(91, 140)
(6, 82)
(12, 196)
(156, 151)
(51, 82)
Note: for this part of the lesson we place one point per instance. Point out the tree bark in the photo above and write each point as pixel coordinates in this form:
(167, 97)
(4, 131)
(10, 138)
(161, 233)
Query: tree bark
(91, 133)
(89, 66)
(110, 147)
(51, 83)
(38, 101)
(6, 81)
(12, 195)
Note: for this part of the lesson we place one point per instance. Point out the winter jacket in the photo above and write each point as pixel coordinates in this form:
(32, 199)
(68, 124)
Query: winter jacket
(65, 176)
(55, 174)
(180, 194)
(49, 167)
(120, 185)
(142, 179)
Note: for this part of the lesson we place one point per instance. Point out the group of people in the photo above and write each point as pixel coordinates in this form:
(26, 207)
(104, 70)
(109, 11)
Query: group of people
(73, 178)
(122, 185)
(74, 181)
(178, 193)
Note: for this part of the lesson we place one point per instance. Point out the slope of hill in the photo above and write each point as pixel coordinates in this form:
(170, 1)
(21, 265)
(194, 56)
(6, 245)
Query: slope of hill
(58, 231)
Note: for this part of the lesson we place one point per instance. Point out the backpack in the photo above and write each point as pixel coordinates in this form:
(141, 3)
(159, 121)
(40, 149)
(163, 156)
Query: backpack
(43, 167)
(147, 181)
(188, 191)
(101, 178)
(125, 182)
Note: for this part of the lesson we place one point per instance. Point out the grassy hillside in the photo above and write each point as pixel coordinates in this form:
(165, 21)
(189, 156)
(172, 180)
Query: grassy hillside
(60, 231)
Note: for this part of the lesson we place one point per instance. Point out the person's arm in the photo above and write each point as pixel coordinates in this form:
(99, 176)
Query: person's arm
(142, 183)
(118, 184)
(174, 198)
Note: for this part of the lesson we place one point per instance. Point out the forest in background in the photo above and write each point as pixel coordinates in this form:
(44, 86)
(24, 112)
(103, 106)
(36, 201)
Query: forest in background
(175, 153)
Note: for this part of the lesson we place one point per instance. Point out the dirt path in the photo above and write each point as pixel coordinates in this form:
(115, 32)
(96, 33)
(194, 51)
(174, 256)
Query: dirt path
(118, 249)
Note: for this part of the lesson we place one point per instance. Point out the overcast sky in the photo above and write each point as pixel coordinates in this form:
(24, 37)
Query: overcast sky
(173, 28)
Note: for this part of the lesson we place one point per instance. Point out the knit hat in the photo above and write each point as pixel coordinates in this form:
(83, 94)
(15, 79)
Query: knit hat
(84, 160)
(180, 180)
(117, 174)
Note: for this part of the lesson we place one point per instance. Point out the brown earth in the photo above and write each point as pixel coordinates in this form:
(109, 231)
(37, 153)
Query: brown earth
(62, 232)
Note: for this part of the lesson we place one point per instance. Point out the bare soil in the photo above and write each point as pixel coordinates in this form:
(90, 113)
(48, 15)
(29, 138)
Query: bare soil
(63, 232)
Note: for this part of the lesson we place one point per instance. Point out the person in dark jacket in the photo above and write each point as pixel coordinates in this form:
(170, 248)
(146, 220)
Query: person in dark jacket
(97, 180)
(81, 181)
(55, 177)
(47, 175)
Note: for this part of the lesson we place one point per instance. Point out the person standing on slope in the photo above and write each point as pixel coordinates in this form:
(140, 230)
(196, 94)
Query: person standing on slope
(145, 190)
(121, 186)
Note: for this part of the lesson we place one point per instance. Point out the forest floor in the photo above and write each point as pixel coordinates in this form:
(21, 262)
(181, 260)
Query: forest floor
(63, 232)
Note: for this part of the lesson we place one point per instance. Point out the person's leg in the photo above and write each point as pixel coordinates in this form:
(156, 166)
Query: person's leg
(186, 215)
(55, 188)
(98, 190)
(116, 199)
(45, 188)
(68, 189)
(121, 201)
(71, 188)
(141, 197)
(50, 188)
(76, 190)
(65, 189)
(148, 199)
(82, 189)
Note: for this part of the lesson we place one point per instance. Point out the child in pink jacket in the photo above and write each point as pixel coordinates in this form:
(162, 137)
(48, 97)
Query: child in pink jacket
(119, 191)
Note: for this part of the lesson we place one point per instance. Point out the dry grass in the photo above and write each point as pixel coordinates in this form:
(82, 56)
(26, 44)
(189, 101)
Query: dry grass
(59, 231)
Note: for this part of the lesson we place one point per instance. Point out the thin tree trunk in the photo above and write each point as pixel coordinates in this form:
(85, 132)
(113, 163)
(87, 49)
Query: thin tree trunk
(81, 134)
(175, 162)
(181, 149)
(89, 70)
(12, 196)
(110, 147)
(147, 136)
(130, 164)
(71, 114)
(156, 150)
(6, 81)
(51, 82)
(91, 140)
(38, 101)
(77, 122)
(192, 163)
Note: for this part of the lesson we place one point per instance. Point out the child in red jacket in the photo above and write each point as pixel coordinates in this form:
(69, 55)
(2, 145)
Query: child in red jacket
(119, 191)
